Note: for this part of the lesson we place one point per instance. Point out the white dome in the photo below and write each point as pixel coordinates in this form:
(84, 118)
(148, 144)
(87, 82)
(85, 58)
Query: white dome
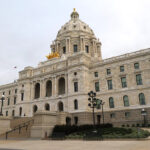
(75, 25)
(76, 36)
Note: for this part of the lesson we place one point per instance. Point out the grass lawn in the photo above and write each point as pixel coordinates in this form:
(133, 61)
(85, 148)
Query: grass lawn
(112, 133)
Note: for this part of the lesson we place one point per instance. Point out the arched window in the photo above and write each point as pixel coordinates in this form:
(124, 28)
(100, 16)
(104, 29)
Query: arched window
(47, 107)
(142, 99)
(35, 108)
(61, 86)
(20, 111)
(111, 102)
(75, 104)
(126, 101)
(37, 90)
(48, 88)
(13, 113)
(60, 107)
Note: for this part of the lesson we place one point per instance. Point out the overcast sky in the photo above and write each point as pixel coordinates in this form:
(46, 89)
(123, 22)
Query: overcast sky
(27, 28)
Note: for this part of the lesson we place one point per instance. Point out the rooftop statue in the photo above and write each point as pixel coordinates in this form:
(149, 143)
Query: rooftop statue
(53, 55)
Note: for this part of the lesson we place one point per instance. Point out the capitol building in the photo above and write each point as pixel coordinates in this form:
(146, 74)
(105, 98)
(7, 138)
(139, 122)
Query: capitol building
(60, 85)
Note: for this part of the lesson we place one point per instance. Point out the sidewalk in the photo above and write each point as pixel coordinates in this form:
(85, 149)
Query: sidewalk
(74, 145)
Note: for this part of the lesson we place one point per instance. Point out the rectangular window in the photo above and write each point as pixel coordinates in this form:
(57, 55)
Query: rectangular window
(121, 68)
(110, 86)
(75, 48)
(9, 92)
(3, 93)
(98, 104)
(15, 91)
(64, 50)
(8, 102)
(127, 114)
(139, 79)
(87, 49)
(22, 96)
(112, 115)
(136, 66)
(75, 86)
(97, 86)
(108, 71)
(14, 100)
(96, 74)
(123, 82)
(6, 113)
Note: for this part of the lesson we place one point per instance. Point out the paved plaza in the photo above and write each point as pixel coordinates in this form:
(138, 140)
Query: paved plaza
(74, 145)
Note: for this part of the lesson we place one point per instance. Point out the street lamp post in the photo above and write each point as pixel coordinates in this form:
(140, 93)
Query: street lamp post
(144, 113)
(101, 103)
(92, 103)
(2, 99)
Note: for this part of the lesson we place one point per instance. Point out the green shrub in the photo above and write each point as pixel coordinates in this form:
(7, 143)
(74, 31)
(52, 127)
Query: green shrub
(89, 132)
(67, 129)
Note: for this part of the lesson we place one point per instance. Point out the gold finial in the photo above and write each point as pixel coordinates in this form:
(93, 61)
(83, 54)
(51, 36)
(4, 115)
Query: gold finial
(74, 10)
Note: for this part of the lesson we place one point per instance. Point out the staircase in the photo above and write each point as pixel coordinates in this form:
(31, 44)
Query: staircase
(20, 128)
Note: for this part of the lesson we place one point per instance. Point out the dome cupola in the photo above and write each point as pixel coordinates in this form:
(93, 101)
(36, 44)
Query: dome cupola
(76, 36)
(74, 15)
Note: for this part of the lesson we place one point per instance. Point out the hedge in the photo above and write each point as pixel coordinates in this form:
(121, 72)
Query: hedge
(68, 129)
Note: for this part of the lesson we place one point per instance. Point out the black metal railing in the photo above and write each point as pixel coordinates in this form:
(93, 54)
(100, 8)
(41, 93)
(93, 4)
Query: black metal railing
(19, 127)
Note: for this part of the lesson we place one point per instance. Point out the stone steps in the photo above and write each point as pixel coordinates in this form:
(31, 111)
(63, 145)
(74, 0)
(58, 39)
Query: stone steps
(24, 131)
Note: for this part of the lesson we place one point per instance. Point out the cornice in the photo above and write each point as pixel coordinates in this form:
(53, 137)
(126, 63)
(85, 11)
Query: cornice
(120, 58)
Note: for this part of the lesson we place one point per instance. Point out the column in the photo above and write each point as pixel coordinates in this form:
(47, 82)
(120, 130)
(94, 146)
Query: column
(93, 48)
(56, 86)
(53, 86)
(69, 45)
(66, 46)
(32, 90)
(99, 49)
(83, 44)
(66, 84)
(42, 90)
(57, 46)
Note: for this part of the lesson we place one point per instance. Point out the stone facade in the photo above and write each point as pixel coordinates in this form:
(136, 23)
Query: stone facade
(56, 83)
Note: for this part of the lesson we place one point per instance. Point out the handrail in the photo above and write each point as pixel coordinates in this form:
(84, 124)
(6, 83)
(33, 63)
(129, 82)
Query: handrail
(19, 127)
(24, 123)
